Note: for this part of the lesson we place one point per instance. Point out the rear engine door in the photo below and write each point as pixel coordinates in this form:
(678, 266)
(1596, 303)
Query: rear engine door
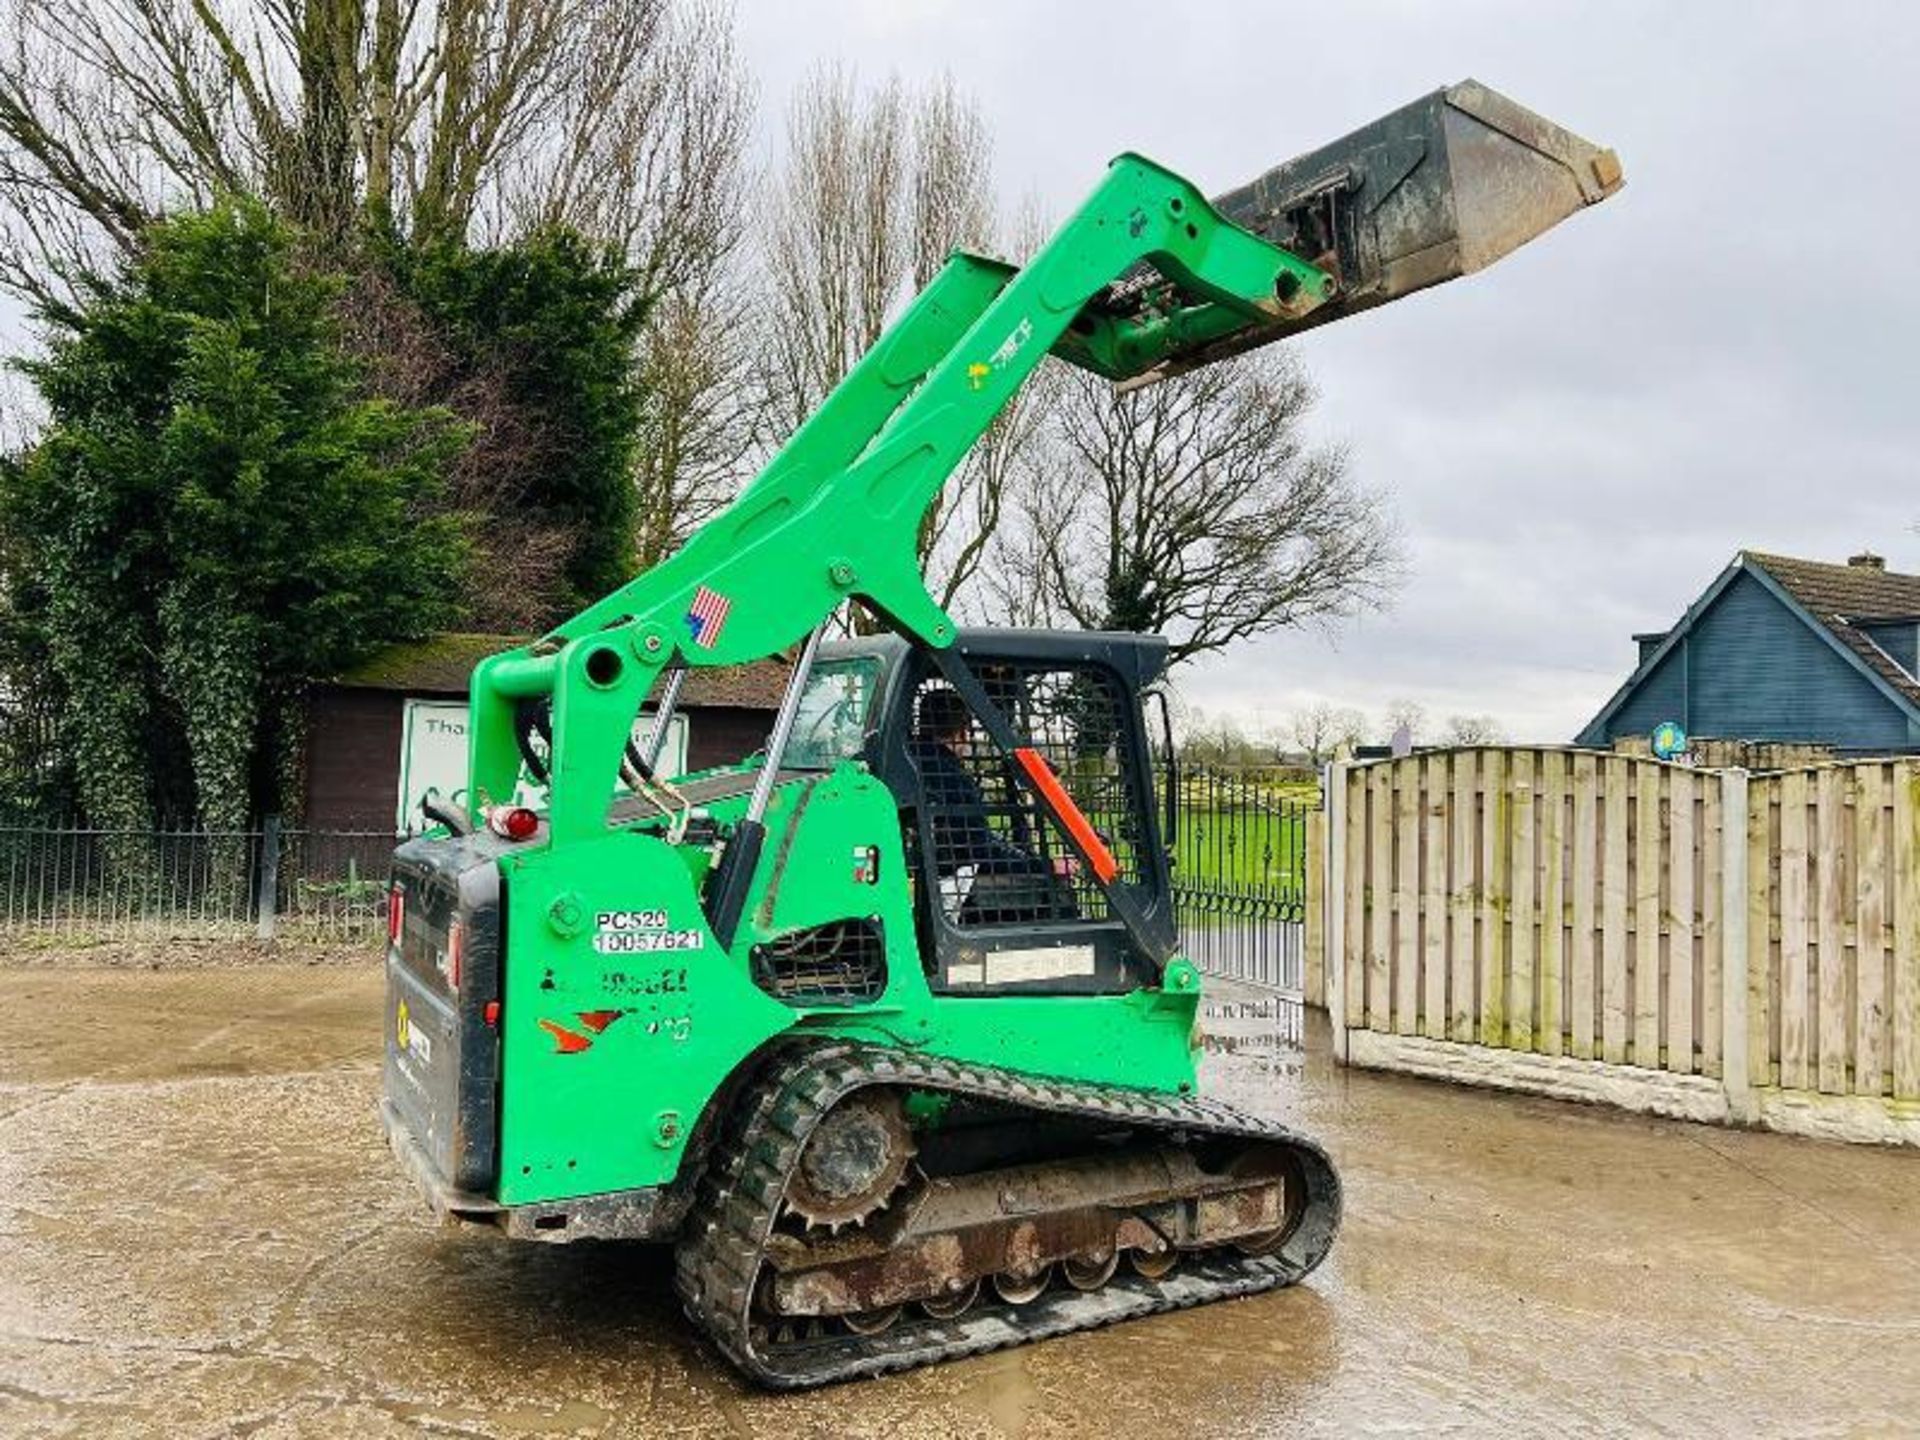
(442, 1011)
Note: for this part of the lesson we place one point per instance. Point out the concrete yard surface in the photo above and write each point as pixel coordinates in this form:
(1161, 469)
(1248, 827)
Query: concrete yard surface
(202, 1234)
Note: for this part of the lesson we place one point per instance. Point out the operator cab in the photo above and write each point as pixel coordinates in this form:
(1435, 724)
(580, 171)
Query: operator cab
(1001, 900)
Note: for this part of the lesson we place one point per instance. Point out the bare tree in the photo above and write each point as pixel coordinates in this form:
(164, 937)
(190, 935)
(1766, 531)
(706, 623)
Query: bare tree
(1474, 730)
(1408, 715)
(650, 157)
(22, 412)
(951, 195)
(431, 118)
(1195, 508)
(699, 416)
(1215, 740)
(1322, 730)
(646, 148)
(877, 188)
(838, 246)
(966, 525)
(1007, 592)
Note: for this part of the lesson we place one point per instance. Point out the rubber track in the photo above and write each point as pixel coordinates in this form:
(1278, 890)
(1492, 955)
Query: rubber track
(720, 1253)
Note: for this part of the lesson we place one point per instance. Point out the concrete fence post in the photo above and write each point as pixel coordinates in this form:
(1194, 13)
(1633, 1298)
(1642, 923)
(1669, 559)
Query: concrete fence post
(267, 899)
(1334, 903)
(1734, 841)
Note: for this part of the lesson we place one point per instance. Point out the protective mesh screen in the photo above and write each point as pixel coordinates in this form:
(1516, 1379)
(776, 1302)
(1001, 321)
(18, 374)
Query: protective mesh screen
(998, 857)
(839, 963)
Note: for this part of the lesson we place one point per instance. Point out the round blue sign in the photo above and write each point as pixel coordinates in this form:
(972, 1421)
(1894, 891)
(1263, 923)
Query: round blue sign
(1669, 740)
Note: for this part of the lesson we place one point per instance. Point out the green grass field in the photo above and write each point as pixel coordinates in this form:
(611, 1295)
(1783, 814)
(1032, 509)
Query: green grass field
(1258, 841)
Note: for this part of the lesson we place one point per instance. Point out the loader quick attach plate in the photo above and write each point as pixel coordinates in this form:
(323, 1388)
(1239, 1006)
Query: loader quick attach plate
(722, 1257)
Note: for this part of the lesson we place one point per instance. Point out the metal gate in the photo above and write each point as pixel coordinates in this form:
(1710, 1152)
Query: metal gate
(1240, 877)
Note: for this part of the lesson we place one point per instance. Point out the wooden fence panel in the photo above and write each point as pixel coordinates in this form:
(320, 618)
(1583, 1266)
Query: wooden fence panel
(1406, 901)
(1870, 931)
(1433, 900)
(1585, 872)
(1682, 967)
(1762, 866)
(1496, 885)
(1713, 928)
(1646, 917)
(1348, 969)
(1579, 907)
(1615, 1000)
(1516, 1006)
(1382, 902)
(1552, 820)
(1906, 921)
(1831, 843)
(1463, 895)
(1795, 994)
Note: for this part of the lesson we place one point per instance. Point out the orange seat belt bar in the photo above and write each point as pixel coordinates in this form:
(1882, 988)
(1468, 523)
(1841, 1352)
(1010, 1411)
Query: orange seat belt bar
(1068, 813)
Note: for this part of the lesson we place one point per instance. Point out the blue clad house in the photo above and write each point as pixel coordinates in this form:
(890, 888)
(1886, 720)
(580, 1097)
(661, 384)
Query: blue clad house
(1783, 650)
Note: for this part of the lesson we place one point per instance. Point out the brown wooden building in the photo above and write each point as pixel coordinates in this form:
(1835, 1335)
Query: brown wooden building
(356, 723)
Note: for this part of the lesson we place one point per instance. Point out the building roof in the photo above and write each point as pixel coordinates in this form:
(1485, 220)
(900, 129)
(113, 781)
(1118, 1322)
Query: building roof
(1840, 601)
(1845, 598)
(442, 665)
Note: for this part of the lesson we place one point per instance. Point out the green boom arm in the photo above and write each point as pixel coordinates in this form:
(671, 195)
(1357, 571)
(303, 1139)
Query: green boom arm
(837, 511)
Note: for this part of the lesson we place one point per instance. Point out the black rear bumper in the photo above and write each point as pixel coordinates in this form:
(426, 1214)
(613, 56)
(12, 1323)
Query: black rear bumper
(448, 1203)
(653, 1213)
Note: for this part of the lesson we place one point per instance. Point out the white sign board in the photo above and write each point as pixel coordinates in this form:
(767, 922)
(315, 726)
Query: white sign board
(433, 759)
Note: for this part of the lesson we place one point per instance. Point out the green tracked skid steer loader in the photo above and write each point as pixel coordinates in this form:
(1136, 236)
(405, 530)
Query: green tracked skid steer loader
(888, 1029)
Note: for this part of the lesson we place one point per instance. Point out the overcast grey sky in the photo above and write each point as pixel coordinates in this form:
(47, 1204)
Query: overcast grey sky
(1581, 437)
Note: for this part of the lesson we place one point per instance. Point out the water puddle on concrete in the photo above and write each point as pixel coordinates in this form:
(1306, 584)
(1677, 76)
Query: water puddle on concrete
(570, 1417)
(1266, 1030)
(181, 1249)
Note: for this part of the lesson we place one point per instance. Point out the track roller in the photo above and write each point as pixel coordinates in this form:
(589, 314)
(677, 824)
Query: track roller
(1154, 1267)
(1022, 1290)
(1090, 1275)
(953, 1305)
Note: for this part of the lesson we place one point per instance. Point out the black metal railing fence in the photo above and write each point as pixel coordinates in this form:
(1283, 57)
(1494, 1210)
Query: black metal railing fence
(83, 884)
(1240, 872)
(1239, 878)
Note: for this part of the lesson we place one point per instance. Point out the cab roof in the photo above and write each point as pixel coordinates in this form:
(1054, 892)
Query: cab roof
(1140, 659)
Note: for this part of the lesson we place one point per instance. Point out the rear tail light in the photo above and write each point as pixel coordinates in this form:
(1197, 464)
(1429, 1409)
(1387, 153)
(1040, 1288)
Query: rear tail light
(396, 913)
(456, 948)
(512, 822)
(490, 1012)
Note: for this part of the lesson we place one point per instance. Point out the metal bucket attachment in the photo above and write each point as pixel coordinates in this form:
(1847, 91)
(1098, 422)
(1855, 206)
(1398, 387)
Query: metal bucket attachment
(1436, 190)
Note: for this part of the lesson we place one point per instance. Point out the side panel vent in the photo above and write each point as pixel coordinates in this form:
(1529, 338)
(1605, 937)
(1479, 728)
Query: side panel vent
(843, 962)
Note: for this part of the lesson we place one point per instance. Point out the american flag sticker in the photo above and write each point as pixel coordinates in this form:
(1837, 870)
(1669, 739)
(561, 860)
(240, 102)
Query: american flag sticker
(708, 616)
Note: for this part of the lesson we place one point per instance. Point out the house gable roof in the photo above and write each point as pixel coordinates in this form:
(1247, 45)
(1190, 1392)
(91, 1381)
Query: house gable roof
(443, 664)
(1846, 598)
(1834, 601)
